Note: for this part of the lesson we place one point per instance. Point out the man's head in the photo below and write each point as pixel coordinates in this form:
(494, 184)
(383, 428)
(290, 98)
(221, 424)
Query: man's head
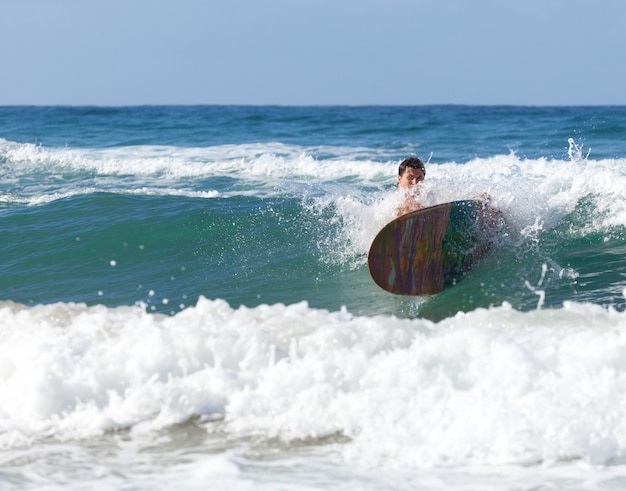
(411, 172)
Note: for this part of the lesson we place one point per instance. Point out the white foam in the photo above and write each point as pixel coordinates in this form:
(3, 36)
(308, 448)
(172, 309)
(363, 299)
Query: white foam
(258, 160)
(524, 188)
(492, 386)
(143, 191)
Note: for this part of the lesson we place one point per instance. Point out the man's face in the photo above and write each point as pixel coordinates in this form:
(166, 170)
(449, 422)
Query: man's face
(411, 177)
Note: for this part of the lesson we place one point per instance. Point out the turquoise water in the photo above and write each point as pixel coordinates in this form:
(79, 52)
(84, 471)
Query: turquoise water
(242, 203)
(164, 264)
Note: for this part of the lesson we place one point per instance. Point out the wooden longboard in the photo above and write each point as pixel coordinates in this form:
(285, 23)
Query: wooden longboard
(425, 251)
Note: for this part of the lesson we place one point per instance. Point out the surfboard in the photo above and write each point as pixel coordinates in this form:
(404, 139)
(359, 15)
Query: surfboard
(428, 250)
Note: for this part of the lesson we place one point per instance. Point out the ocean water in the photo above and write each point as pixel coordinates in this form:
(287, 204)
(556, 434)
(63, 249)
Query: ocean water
(185, 301)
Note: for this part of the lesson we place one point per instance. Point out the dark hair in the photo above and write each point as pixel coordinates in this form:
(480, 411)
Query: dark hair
(413, 162)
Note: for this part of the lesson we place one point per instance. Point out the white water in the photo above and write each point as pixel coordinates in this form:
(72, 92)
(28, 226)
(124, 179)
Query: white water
(494, 392)
(534, 194)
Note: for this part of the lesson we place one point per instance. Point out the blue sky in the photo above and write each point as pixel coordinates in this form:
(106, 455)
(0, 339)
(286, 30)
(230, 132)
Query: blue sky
(313, 52)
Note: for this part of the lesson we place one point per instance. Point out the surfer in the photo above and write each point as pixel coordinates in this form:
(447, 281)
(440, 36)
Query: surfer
(410, 173)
